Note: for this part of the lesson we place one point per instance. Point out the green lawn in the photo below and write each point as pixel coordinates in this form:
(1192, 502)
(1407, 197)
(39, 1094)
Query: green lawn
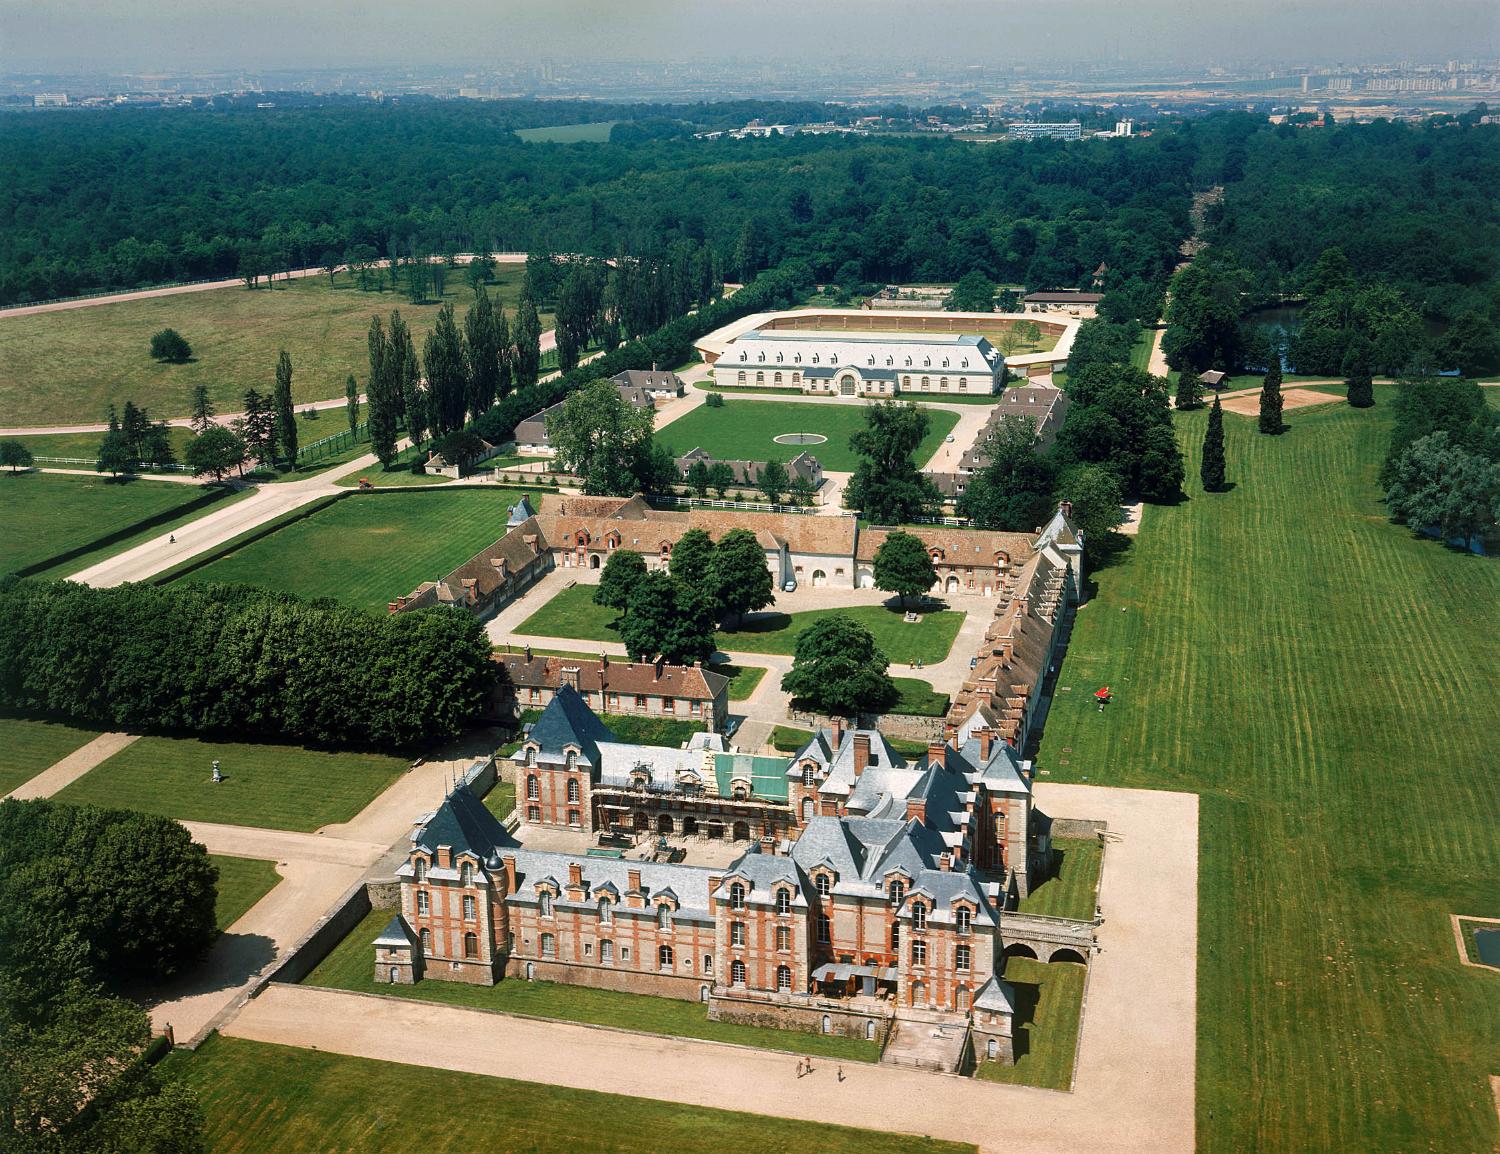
(594, 132)
(743, 430)
(1325, 680)
(742, 678)
(47, 515)
(243, 881)
(86, 445)
(1140, 352)
(68, 366)
(639, 730)
(28, 747)
(351, 967)
(279, 786)
(919, 697)
(572, 613)
(258, 1097)
(365, 550)
(789, 740)
(1049, 999)
(1072, 892)
(501, 799)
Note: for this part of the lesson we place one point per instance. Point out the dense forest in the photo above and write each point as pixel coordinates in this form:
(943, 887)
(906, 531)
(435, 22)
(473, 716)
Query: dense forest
(132, 198)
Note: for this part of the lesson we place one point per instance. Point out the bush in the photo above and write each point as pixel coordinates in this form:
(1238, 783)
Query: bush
(418, 466)
(170, 346)
(241, 660)
(714, 400)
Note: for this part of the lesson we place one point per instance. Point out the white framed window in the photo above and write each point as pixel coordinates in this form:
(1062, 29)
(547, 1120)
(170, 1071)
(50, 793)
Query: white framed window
(918, 916)
(962, 919)
(825, 885)
(783, 902)
(573, 789)
(708, 963)
(606, 951)
(664, 917)
(736, 933)
(736, 896)
(471, 908)
(606, 912)
(961, 958)
(424, 903)
(549, 945)
(425, 936)
(533, 787)
(545, 905)
(919, 953)
(664, 958)
(783, 979)
(783, 937)
(736, 973)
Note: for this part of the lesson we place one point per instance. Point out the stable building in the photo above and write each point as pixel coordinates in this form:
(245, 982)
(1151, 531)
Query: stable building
(639, 689)
(854, 364)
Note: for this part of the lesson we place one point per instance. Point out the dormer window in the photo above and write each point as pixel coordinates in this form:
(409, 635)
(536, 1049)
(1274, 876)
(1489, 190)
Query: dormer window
(466, 875)
(897, 890)
(544, 904)
(606, 911)
(825, 885)
(808, 773)
(783, 902)
(815, 358)
(664, 917)
(918, 916)
(419, 870)
(962, 918)
(736, 896)
(908, 362)
(796, 358)
(833, 358)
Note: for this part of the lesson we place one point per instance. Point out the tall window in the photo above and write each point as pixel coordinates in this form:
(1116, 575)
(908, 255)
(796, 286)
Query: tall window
(549, 945)
(898, 892)
(664, 958)
(736, 973)
(533, 787)
(962, 919)
(783, 937)
(424, 904)
(708, 963)
(825, 885)
(742, 376)
(606, 912)
(466, 875)
(470, 908)
(606, 951)
(736, 896)
(919, 953)
(807, 774)
(783, 979)
(823, 928)
(783, 901)
(572, 789)
(895, 936)
(426, 936)
(419, 870)
(471, 945)
(961, 958)
(533, 813)
(545, 904)
(918, 916)
(664, 917)
(736, 933)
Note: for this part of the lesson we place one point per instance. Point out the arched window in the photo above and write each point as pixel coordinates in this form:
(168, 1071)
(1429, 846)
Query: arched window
(572, 788)
(708, 963)
(760, 378)
(827, 1024)
(664, 917)
(606, 951)
(927, 382)
(869, 1031)
(898, 891)
(736, 933)
(736, 973)
(808, 774)
(943, 382)
(777, 379)
(783, 901)
(533, 788)
(736, 896)
(992, 1048)
(807, 809)
(471, 945)
(742, 376)
(426, 938)
(664, 958)
(423, 903)
(962, 919)
(470, 908)
(825, 885)
(549, 945)
(961, 958)
(918, 916)
(783, 979)
(606, 912)
(546, 905)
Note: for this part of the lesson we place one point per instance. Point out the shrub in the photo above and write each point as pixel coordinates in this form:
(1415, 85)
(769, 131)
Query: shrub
(170, 346)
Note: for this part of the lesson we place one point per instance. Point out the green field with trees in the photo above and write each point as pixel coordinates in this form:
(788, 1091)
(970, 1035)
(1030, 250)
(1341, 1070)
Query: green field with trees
(1289, 654)
(259, 1097)
(77, 362)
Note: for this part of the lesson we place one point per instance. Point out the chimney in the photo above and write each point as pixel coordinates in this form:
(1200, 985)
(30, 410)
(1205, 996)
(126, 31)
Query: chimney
(1066, 509)
(575, 874)
(634, 878)
(713, 883)
(838, 733)
(936, 753)
(528, 655)
(861, 753)
(604, 660)
(660, 663)
(985, 739)
(510, 873)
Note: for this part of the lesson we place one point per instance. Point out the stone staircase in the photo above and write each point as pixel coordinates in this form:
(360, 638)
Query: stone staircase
(926, 1042)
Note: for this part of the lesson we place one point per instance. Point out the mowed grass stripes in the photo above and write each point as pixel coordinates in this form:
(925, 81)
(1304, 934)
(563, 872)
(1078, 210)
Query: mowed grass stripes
(367, 549)
(1326, 681)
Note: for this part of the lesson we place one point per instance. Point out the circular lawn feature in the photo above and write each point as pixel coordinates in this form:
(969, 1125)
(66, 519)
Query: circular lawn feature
(800, 439)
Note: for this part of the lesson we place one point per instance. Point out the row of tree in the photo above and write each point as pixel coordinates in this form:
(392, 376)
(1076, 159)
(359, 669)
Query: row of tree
(242, 660)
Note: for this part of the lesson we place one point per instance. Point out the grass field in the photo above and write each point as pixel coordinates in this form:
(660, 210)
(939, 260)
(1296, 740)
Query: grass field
(572, 613)
(1326, 681)
(1073, 891)
(594, 132)
(44, 515)
(501, 799)
(258, 1097)
(743, 430)
(350, 967)
(659, 731)
(788, 739)
(919, 697)
(277, 786)
(1049, 1000)
(366, 550)
(243, 881)
(66, 367)
(28, 747)
(742, 678)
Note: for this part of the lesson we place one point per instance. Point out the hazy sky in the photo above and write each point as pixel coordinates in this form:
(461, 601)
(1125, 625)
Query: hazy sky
(148, 35)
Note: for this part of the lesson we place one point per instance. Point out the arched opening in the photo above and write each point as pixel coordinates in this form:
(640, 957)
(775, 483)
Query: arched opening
(918, 993)
(715, 830)
(867, 579)
(1068, 955)
(664, 823)
(807, 809)
(961, 999)
(394, 974)
(1019, 950)
(703, 993)
(689, 825)
(819, 577)
(642, 823)
(847, 385)
(869, 1031)
(952, 585)
(827, 1024)
(741, 831)
(530, 971)
(594, 561)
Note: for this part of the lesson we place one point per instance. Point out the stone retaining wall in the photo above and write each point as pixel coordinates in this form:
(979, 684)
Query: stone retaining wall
(803, 1015)
(1077, 827)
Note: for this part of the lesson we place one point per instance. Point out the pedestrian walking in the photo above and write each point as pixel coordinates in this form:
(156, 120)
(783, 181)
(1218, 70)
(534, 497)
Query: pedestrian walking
(841, 1073)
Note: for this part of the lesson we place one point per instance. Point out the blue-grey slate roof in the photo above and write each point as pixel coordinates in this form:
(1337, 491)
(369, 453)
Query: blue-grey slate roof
(464, 824)
(566, 721)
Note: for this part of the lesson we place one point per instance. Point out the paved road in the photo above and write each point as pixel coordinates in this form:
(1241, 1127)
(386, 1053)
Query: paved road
(1135, 1084)
(218, 526)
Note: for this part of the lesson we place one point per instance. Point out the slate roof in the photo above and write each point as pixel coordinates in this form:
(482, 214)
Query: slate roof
(465, 825)
(596, 675)
(651, 380)
(996, 996)
(688, 884)
(568, 721)
(396, 933)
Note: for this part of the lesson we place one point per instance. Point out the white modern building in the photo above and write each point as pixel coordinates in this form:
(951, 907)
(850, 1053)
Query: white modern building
(861, 364)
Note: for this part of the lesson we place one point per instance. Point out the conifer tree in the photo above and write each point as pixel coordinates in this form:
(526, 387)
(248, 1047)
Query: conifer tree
(1361, 390)
(203, 409)
(1211, 469)
(1270, 398)
(505, 356)
(528, 343)
(1189, 395)
(381, 405)
(351, 403)
(286, 415)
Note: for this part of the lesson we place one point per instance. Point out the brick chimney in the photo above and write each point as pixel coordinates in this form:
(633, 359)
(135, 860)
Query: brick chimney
(575, 874)
(713, 883)
(510, 873)
(1066, 509)
(986, 739)
(634, 878)
(838, 733)
(528, 655)
(861, 753)
(935, 753)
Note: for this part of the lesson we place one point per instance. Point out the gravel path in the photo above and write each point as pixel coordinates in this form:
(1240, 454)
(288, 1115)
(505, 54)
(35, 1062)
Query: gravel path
(65, 772)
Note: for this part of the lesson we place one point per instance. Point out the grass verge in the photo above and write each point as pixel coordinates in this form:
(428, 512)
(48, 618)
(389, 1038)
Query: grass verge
(1049, 1003)
(243, 881)
(1072, 892)
(27, 747)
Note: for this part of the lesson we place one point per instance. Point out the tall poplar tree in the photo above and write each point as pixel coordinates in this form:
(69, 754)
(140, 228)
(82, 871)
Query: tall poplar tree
(286, 414)
(1211, 469)
(481, 354)
(528, 343)
(504, 357)
(351, 403)
(400, 343)
(443, 357)
(1270, 398)
(381, 405)
(1189, 394)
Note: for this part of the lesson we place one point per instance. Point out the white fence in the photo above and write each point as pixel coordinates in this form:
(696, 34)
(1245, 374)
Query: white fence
(748, 506)
(91, 462)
